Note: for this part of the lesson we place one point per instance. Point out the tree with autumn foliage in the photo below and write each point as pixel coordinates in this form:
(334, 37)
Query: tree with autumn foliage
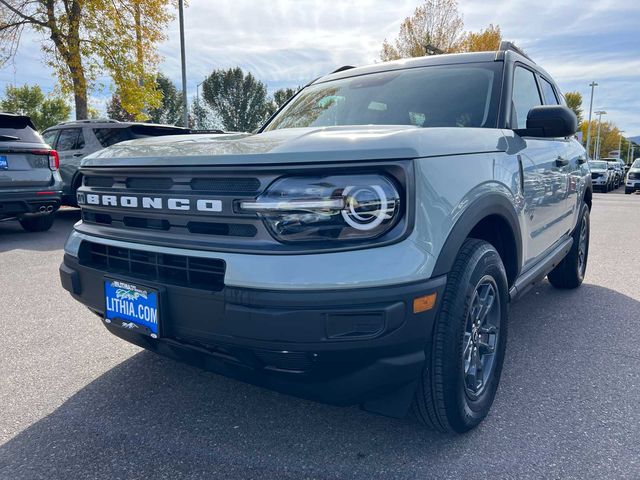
(574, 102)
(84, 39)
(437, 26)
(487, 40)
(435, 23)
(609, 138)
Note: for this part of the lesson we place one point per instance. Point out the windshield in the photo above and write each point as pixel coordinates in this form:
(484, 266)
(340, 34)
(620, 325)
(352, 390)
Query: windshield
(636, 164)
(600, 165)
(463, 95)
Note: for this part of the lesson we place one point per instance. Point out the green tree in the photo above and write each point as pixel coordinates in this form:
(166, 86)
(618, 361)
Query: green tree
(279, 98)
(281, 95)
(574, 102)
(170, 109)
(239, 100)
(436, 23)
(83, 39)
(116, 111)
(45, 111)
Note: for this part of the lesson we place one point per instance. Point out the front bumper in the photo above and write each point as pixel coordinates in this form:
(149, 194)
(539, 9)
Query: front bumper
(632, 185)
(599, 182)
(17, 204)
(343, 347)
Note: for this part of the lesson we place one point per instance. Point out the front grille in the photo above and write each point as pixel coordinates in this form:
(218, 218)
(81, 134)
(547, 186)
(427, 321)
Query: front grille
(226, 185)
(194, 272)
(596, 175)
(149, 183)
(104, 182)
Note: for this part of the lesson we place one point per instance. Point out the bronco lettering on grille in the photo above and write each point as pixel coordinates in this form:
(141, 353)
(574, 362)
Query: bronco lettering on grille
(145, 202)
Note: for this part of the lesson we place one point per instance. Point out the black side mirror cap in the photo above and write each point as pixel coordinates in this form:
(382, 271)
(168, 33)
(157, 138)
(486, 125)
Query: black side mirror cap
(550, 121)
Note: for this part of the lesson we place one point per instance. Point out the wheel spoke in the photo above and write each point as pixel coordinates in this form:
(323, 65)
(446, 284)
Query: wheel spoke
(466, 354)
(473, 374)
(486, 303)
(485, 347)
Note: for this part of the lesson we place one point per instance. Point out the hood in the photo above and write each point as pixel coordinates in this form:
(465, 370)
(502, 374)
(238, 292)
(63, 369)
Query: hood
(301, 145)
(599, 170)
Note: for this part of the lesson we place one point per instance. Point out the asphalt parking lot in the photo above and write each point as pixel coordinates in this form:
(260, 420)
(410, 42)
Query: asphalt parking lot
(76, 402)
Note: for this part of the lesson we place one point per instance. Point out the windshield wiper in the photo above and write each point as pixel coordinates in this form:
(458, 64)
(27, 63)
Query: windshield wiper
(8, 138)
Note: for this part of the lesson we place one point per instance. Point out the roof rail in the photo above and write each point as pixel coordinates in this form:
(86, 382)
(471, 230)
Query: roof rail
(91, 120)
(343, 68)
(505, 45)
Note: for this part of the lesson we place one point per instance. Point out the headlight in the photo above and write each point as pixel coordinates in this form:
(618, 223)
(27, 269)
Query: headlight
(339, 207)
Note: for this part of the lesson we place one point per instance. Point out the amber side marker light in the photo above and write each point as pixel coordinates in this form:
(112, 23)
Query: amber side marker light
(424, 303)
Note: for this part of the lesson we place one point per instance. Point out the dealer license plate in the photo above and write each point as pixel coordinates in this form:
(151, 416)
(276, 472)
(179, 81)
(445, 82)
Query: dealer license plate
(131, 306)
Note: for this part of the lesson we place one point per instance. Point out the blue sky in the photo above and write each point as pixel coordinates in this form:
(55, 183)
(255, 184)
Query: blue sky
(289, 42)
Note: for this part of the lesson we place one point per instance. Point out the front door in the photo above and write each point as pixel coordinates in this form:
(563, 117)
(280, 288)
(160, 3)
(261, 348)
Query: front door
(546, 173)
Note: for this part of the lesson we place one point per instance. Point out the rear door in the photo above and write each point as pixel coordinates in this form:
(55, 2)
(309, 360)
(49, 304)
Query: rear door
(545, 179)
(24, 159)
(70, 145)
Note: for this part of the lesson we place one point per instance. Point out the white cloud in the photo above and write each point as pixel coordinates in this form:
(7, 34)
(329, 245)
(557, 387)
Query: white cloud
(290, 42)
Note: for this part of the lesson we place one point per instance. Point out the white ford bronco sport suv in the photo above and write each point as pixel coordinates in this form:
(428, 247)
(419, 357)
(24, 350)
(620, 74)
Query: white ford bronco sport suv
(361, 248)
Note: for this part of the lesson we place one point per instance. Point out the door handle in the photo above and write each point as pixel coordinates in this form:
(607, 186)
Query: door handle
(561, 162)
(77, 154)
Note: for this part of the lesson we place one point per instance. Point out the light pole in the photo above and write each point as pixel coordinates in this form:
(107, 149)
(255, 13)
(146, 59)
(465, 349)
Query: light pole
(198, 104)
(592, 85)
(629, 159)
(620, 143)
(599, 113)
(185, 108)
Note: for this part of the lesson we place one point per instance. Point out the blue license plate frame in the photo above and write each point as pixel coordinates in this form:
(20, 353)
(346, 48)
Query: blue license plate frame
(132, 306)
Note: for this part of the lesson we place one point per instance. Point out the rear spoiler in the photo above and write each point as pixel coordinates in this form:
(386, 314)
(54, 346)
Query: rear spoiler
(10, 120)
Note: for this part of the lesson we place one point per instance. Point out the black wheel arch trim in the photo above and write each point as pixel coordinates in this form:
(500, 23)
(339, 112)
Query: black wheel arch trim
(485, 206)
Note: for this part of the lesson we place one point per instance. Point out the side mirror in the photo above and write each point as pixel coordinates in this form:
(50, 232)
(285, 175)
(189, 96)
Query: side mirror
(550, 121)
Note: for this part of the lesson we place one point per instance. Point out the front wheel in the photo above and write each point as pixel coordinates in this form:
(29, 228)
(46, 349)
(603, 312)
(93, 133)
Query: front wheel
(464, 361)
(570, 271)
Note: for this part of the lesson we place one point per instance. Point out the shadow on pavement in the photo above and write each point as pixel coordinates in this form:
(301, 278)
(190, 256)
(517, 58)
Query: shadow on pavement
(560, 398)
(13, 237)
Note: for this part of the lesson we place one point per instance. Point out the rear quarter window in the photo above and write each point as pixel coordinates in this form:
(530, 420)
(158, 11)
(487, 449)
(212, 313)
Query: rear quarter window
(111, 136)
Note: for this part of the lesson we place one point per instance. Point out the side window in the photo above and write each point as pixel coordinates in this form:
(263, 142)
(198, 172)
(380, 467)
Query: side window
(550, 97)
(50, 137)
(525, 96)
(70, 139)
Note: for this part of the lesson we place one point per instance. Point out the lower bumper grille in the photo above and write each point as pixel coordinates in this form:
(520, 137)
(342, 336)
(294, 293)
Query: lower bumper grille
(194, 272)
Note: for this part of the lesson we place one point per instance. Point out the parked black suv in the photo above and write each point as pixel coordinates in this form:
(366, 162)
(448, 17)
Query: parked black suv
(30, 185)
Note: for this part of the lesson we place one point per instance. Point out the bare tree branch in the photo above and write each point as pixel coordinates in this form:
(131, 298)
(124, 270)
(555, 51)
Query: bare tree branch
(27, 18)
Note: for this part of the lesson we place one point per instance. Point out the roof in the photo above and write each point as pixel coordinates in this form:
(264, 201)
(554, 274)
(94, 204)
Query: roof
(508, 52)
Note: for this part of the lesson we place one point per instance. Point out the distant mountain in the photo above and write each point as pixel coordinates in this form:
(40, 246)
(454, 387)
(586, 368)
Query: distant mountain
(635, 139)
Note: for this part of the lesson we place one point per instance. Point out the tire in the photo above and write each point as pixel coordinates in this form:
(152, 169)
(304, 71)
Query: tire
(444, 399)
(41, 223)
(628, 192)
(569, 273)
